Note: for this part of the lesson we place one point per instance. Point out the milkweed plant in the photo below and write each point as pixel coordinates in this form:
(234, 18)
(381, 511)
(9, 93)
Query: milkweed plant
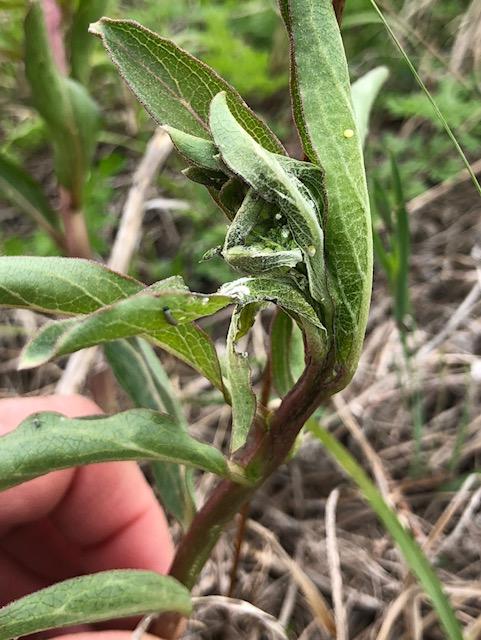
(299, 238)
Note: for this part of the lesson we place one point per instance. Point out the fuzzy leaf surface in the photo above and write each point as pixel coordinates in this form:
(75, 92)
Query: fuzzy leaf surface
(48, 441)
(175, 87)
(265, 174)
(325, 120)
(157, 314)
(61, 285)
(102, 596)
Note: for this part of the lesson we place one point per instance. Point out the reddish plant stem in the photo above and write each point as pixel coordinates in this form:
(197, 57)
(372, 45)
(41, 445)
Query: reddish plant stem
(75, 229)
(241, 531)
(260, 458)
(338, 9)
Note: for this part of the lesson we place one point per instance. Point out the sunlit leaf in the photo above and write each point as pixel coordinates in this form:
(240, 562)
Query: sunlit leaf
(61, 285)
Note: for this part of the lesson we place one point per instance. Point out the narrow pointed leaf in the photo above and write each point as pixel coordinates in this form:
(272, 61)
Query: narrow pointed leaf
(142, 376)
(239, 377)
(107, 595)
(199, 151)
(412, 553)
(47, 442)
(175, 88)
(364, 92)
(325, 119)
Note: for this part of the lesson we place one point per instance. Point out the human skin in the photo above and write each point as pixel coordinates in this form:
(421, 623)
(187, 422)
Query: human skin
(77, 521)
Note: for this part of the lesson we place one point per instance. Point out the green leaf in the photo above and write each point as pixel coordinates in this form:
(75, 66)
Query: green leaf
(287, 353)
(47, 442)
(208, 177)
(239, 376)
(364, 92)
(198, 151)
(156, 314)
(61, 285)
(69, 112)
(107, 595)
(73, 286)
(265, 174)
(324, 117)
(280, 291)
(174, 87)
(81, 44)
(22, 191)
(411, 551)
(403, 248)
(142, 376)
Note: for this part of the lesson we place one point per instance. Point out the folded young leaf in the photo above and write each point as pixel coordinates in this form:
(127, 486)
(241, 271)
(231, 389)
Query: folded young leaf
(61, 285)
(198, 151)
(174, 87)
(107, 595)
(47, 442)
(364, 92)
(142, 376)
(265, 174)
(239, 376)
(151, 313)
(280, 291)
(324, 117)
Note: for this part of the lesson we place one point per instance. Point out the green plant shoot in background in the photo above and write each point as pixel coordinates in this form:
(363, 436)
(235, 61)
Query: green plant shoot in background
(300, 237)
(71, 119)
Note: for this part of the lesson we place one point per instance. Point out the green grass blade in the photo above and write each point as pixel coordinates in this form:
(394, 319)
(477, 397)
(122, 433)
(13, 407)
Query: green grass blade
(403, 248)
(436, 109)
(411, 551)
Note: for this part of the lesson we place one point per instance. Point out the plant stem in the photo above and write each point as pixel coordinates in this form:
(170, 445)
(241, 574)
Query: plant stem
(260, 458)
(76, 234)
